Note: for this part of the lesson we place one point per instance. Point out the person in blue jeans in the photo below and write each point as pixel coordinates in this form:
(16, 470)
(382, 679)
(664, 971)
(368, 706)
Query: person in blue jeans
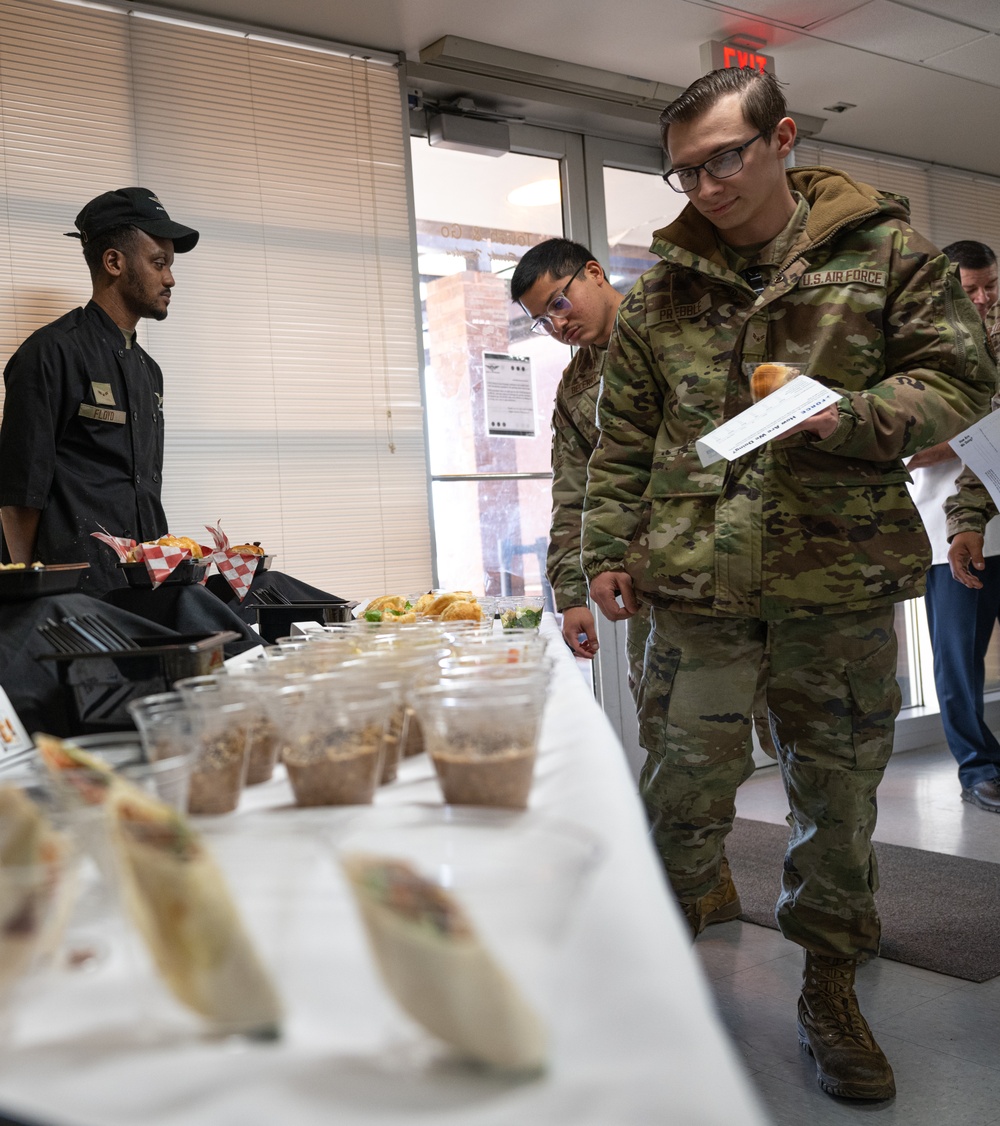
(961, 617)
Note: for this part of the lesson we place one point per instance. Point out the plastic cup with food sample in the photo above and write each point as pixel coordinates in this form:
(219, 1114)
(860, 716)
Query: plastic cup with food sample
(334, 739)
(482, 737)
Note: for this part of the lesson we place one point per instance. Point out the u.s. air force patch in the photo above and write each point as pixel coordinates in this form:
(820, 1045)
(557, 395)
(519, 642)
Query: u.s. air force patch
(844, 277)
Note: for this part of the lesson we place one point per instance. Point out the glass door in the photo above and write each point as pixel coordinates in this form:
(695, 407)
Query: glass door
(489, 382)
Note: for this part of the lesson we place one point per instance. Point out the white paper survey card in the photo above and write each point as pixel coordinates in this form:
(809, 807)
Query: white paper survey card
(798, 400)
(979, 448)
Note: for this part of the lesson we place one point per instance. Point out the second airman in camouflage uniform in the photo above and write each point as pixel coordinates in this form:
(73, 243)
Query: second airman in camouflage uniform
(796, 552)
(564, 289)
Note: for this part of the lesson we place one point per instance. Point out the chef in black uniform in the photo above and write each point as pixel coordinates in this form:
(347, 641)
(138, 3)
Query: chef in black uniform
(81, 441)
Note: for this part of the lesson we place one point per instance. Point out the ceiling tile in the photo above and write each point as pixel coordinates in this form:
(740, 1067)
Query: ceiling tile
(979, 60)
(900, 32)
(794, 13)
(984, 14)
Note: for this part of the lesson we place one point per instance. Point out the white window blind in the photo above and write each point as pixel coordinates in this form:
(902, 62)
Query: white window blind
(292, 393)
(946, 204)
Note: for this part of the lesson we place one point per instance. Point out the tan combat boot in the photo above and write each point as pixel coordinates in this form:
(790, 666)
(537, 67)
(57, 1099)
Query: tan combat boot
(719, 905)
(831, 1029)
(722, 903)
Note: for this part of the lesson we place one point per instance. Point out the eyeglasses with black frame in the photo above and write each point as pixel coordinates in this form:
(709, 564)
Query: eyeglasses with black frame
(719, 167)
(559, 306)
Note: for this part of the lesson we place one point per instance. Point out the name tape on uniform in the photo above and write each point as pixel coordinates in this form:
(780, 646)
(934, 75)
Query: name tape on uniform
(101, 414)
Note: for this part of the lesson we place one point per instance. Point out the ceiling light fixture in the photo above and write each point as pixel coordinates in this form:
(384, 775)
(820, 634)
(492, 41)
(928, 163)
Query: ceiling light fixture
(539, 193)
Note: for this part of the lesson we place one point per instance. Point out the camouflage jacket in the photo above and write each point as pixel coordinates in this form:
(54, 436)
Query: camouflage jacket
(971, 508)
(574, 435)
(799, 525)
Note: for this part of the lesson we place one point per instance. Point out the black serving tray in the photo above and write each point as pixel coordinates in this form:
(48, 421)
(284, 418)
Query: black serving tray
(275, 621)
(23, 583)
(103, 684)
(187, 573)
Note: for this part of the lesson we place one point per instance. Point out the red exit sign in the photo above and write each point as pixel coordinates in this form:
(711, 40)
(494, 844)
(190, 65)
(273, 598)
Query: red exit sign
(723, 56)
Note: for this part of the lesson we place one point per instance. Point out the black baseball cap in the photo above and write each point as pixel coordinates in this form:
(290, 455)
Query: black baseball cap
(135, 207)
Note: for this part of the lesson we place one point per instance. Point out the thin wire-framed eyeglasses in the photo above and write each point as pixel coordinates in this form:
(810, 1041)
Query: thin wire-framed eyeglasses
(559, 306)
(719, 167)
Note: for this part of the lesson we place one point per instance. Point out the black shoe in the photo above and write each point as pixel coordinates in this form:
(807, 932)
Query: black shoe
(984, 794)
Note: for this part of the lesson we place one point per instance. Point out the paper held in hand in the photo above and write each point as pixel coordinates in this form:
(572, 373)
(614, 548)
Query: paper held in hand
(979, 448)
(770, 418)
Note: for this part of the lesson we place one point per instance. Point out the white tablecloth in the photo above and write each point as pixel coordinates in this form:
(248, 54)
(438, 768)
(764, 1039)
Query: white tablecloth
(636, 1039)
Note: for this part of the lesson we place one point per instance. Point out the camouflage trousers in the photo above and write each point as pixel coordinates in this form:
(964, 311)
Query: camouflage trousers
(636, 634)
(832, 699)
(637, 629)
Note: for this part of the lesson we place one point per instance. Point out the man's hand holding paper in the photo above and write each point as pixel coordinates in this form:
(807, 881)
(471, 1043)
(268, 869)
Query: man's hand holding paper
(801, 404)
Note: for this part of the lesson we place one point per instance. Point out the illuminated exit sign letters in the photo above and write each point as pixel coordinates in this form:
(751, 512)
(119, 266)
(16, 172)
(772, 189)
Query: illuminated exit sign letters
(722, 56)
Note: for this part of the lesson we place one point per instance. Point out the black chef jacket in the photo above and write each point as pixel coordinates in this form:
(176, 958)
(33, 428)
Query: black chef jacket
(82, 440)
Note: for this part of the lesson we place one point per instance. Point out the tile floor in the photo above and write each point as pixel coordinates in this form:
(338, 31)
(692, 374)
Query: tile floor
(941, 1034)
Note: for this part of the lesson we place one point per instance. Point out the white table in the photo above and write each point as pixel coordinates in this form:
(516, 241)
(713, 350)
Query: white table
(636, 1039)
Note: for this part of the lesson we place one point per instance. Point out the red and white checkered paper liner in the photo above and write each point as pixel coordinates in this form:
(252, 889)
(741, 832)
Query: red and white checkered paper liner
(160, 561)
(236, 567)
(120, 546)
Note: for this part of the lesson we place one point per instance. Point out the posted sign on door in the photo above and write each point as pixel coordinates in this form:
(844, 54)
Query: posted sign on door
(510, 395)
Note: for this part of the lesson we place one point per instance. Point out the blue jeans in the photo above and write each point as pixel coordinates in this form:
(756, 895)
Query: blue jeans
(961, 623)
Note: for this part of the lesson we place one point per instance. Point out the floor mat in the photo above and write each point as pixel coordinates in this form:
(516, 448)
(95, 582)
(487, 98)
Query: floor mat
(937, 911)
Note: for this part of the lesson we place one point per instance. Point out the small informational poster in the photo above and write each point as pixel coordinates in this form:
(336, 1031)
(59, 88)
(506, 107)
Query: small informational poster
(798, 400)
(14, 740)
(979, 448)
(510, 395)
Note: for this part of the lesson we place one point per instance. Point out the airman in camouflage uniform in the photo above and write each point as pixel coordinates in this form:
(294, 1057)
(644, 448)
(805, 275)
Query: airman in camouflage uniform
(539, 284)
(564, 289)
(796, 552)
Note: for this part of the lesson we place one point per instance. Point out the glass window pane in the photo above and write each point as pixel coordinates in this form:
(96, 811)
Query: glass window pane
(637, 204)
(476, 216)
(492, 535)
(471, 232)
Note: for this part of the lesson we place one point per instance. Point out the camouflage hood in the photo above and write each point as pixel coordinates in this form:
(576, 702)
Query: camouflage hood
(835, 202)
(867, 306)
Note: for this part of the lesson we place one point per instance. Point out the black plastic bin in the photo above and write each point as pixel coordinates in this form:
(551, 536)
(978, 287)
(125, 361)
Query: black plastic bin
(275, 621)
(101, 685)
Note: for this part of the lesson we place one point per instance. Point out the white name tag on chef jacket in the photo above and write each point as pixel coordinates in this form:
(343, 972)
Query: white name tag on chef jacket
(14, 740)
(798, 400)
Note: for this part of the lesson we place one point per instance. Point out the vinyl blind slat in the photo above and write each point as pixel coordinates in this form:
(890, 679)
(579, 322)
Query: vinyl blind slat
(292, 332)
(945, 204)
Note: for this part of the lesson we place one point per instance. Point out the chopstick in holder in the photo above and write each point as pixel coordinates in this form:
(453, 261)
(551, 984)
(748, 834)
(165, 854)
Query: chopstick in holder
(94, 644)
(53, 636)
(107, 631)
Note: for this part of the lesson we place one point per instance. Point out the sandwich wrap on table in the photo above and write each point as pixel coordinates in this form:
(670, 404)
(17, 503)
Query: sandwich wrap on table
(437, 968)
(34, 891)
(178, 899)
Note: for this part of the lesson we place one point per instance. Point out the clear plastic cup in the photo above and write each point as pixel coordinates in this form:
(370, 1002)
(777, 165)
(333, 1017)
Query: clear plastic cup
(520, 612)
(219, 767)
(483, 742)
(334, 741)
(252, 689)
(212, 730)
